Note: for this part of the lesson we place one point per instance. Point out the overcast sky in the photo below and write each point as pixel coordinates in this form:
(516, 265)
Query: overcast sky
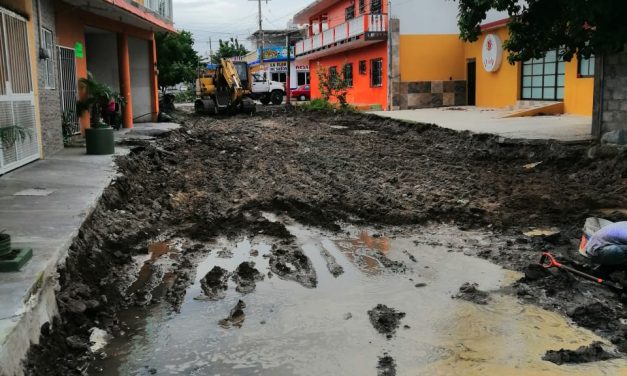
(223, 19)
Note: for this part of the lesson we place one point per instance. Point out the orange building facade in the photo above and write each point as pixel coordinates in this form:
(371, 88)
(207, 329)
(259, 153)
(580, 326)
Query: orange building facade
(116, 45)
(349, 38)
(424, 63)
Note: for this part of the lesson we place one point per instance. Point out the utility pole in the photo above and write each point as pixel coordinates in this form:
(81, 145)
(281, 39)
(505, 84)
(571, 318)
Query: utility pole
(288, 83)
(261, 35)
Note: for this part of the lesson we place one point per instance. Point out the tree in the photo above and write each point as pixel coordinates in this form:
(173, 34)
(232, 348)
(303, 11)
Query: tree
(575, 27)
(229, 48)
(177, 60)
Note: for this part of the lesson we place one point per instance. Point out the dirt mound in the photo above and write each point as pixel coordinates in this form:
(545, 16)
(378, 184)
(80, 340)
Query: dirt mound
(594, 316)
(584, 354)
(216, 175)
(215, 283)
(246, 277)
(291, 263)
(470, 292)
(385, 319)
(386, 366)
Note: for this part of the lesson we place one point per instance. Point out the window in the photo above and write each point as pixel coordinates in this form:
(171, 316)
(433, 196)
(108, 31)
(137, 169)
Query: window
(303, 78)
(48, 46)
(375, 6)
(350, 12)
(362, 6)
(376, 72)
(586, 67)
(332, 73)
(363, 66)
(279, 77)
(543, 79)
(348, 74)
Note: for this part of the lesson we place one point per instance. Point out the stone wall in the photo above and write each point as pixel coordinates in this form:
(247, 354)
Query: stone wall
(429, 94)
(49, 98)
(610, 94)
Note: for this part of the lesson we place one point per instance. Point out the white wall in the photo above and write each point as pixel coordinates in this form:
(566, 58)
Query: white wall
(432, 16)
(101, 50)
(139, 53)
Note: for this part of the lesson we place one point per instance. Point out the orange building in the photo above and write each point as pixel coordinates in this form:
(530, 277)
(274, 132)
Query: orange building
(115, 42)
(411, 56)
(350, 38)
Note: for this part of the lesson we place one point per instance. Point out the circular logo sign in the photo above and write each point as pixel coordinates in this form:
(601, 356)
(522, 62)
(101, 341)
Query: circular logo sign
(492, 53)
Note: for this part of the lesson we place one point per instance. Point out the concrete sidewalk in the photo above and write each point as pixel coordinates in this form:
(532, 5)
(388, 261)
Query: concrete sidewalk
(42, 206)
(482, 120)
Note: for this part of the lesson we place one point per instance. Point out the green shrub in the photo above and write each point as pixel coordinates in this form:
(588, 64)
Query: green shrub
(320, 104)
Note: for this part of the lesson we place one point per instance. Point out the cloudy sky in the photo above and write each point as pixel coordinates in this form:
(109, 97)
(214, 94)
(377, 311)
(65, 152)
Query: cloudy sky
(223, 19)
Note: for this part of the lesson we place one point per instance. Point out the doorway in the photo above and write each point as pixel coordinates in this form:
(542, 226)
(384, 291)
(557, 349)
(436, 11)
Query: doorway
(471, 74)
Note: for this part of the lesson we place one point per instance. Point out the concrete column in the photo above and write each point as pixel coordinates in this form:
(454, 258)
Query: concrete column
(124, 68)
(154, 83)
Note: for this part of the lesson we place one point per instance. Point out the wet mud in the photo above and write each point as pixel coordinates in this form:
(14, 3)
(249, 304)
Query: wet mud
(215, 283)
(471, 293)
(385, 319)
(215, 177)
(236, 317)
(246, 277)
(386, 366)
(585, 354)
(290, 263)
(334, 268)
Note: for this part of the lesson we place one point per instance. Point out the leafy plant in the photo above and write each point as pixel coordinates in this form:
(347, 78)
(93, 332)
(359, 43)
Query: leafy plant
(67, 125)
(575, 27)
(228, 49)
(9, 135)
(177, 60)
(96, 97)
(332, 85)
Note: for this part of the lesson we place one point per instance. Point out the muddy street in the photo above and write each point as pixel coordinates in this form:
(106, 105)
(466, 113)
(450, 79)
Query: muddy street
(306, 243)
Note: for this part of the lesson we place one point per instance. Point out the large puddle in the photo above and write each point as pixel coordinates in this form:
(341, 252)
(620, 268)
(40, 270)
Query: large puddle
(292, 330)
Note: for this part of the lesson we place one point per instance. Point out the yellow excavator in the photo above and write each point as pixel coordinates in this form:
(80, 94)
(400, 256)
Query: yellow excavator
(225, 89)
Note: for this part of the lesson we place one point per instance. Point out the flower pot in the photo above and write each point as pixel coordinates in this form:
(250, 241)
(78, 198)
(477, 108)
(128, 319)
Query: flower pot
(99, 141)
(5, 244)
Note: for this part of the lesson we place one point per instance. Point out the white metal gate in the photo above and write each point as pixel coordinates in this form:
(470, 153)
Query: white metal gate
(17, 99)
(69, 88)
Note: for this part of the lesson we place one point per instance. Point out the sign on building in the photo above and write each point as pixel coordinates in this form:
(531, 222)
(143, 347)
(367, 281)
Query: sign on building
(492, 53)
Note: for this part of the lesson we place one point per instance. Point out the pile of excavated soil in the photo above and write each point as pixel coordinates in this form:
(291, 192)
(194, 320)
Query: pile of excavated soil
(214, 176)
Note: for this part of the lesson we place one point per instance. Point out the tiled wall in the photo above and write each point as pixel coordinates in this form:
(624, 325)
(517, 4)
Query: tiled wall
(429, 94)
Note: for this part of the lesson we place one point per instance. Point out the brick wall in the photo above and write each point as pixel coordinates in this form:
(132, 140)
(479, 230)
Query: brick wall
(49, 98)
(610, 94)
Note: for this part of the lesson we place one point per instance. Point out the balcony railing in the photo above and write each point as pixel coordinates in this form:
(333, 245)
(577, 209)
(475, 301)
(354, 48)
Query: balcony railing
(373, 26)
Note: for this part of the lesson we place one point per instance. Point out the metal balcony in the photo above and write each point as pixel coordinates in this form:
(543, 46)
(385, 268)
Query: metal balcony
(355, 33)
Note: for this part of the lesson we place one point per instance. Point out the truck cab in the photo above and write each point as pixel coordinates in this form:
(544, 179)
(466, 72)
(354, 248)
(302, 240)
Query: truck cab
(267, 91)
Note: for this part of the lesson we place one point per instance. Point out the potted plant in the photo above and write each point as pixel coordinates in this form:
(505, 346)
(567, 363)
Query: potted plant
(5, 244)
(97, 96)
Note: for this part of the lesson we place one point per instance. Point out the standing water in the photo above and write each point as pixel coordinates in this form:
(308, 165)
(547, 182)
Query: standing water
(292, 330)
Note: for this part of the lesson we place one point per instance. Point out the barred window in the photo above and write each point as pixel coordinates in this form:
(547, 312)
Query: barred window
(375, 6)
(350, 12)
(376, 72)
(363, 67)
(362, 6)
(48, 45)
(348, 74)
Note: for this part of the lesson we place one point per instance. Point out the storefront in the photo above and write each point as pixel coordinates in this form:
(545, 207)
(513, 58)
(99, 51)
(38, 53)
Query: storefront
(275, 66)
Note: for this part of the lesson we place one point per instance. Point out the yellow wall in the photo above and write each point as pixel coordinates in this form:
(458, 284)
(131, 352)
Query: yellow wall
(432, 57)
(500, 88)
(578, 91)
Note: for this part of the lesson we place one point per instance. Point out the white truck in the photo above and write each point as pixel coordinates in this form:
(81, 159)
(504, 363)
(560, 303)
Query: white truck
(267, 91)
